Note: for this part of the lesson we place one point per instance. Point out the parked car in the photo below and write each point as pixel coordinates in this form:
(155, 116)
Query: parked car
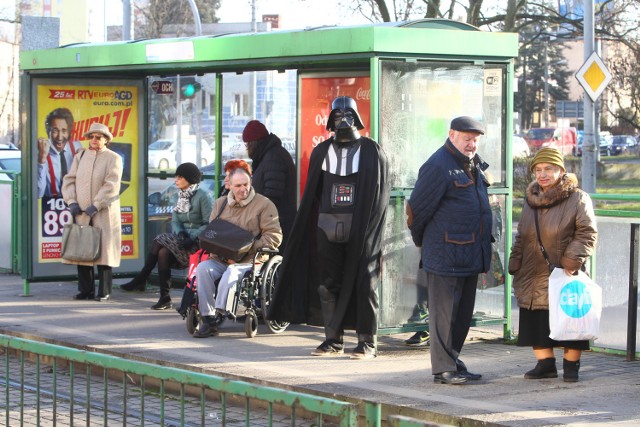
(289, 144)
(564, 139)
(236, 151)
(604, 145)
(9, 160)
(519, 147)
(163, 153)
(623, 144)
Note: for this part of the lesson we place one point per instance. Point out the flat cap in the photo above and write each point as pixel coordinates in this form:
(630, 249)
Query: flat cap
(467, 124)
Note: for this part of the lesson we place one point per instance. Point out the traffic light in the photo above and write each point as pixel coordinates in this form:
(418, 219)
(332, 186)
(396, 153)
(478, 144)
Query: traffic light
(189, 87)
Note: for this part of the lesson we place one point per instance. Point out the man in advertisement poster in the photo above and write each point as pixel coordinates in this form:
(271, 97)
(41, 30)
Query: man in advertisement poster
(55, 153)
(332, 261)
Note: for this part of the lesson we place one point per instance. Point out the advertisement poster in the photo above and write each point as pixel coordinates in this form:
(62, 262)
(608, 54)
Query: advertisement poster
(64, 113)
(317, 93)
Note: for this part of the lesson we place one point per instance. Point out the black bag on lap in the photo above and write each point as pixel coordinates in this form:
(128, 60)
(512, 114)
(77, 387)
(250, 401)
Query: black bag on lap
(225, 239)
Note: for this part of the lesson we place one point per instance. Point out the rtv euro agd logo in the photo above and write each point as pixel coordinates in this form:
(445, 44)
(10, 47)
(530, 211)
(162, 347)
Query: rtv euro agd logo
(575, 299)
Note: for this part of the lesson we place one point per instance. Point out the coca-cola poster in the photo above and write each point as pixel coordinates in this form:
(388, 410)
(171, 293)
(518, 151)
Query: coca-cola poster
(317, 93)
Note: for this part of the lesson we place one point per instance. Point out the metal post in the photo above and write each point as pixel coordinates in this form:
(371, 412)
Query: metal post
(546, 84)
(632, 316)
(588, 144)
(126, 20)
(196, 17)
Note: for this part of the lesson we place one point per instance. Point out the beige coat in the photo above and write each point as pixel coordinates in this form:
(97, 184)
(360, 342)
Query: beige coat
(567, 230)
(94, 179)
(256, 214)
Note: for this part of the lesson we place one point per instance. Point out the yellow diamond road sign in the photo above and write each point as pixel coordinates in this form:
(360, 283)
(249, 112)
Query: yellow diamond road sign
(593, 76)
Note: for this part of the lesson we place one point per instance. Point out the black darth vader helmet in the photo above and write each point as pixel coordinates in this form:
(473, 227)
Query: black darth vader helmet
(344, 105)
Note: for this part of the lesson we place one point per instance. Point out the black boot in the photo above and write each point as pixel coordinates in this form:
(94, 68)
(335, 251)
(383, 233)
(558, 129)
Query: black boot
(546, 368)
(333, 343)
(570, 374)
(105, 283)
(366, 348)
(86, 282)
(164, 303)
(139, 282)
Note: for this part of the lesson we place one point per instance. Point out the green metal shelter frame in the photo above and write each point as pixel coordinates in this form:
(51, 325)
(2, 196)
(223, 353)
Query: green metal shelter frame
(406, 64)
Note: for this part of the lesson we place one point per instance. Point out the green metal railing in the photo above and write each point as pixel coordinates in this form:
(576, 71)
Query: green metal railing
(68, 393)
(68, 385)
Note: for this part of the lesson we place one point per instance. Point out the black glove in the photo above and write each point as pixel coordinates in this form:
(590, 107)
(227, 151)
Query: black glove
(74, 209)
(184, 241)
(91, 211)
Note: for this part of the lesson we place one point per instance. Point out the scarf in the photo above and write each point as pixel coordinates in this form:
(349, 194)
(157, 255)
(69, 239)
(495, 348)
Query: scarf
(184, 198)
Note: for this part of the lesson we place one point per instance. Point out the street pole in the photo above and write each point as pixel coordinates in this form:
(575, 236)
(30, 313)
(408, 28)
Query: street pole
(198, 99)
(546, 84)
(588, 145)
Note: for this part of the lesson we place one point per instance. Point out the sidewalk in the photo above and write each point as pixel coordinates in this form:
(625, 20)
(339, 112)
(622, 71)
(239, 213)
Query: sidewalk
(400, 377)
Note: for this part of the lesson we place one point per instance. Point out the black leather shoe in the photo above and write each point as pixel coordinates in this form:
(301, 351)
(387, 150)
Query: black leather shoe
(469, 375)
(450, 377)
(133, 286)
(83, 295)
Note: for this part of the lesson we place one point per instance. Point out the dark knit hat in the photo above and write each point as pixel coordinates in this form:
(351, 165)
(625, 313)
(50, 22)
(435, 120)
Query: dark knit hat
(548, 155)
(190, 172)
(467, 124)
(254, 131)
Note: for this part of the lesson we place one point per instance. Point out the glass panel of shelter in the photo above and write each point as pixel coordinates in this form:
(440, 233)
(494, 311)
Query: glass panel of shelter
(417, 102)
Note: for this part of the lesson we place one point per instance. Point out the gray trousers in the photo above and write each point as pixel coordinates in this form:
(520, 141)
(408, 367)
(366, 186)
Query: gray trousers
(451, 303)
(207, 274)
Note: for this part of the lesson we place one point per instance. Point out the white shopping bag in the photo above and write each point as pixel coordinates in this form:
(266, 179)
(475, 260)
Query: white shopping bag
(575, 306)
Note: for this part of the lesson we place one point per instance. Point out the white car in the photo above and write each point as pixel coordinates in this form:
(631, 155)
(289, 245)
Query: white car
(236, 151)
(9, 160)
(519, 147)
(163, 153)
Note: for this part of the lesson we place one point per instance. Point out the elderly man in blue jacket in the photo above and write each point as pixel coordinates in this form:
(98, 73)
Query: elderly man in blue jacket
(450, 219)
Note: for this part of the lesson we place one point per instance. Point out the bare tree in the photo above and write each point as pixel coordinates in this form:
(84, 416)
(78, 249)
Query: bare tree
(616, 21)
(154, 16)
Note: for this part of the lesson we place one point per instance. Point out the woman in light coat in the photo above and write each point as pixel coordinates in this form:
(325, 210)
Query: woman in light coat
(91, 189)
(568, 233)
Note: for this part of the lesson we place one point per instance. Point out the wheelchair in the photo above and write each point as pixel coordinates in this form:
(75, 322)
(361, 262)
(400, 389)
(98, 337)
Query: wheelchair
(253, 291)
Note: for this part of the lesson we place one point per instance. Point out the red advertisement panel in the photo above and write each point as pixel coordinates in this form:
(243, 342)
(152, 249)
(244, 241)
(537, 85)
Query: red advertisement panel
(317, 95)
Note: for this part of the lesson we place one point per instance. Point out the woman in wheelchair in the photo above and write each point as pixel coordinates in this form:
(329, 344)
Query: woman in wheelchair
(252, 212)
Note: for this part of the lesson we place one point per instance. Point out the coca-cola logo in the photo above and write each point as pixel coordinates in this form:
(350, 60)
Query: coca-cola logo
(363, 94)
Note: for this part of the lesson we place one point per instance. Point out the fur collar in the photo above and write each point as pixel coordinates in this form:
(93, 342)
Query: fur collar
(536, 198)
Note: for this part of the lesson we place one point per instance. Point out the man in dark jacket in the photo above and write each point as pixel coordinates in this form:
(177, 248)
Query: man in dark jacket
(274, 174)
(332, 262)
(450, 219)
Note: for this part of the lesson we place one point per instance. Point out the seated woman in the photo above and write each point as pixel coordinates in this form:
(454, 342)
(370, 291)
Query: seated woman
(172, 250)
(228, 167)
(250, 211)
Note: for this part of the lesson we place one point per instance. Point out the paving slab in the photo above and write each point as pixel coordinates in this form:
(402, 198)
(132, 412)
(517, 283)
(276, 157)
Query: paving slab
(608, 392)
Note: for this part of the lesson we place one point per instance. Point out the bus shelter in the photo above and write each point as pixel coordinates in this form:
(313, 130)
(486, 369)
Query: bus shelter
(167, 101)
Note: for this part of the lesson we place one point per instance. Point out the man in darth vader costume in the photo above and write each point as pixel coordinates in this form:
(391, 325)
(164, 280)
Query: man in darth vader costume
(331, 264)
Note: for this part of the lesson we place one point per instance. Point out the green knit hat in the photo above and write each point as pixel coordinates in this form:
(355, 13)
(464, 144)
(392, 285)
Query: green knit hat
(548, 155)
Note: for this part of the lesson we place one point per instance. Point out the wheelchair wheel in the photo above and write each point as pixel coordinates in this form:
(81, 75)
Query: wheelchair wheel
(267, 285)
(251, 325)
(193, 318)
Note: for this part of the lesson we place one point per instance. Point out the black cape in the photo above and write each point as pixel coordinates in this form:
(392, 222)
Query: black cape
(295, 297)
